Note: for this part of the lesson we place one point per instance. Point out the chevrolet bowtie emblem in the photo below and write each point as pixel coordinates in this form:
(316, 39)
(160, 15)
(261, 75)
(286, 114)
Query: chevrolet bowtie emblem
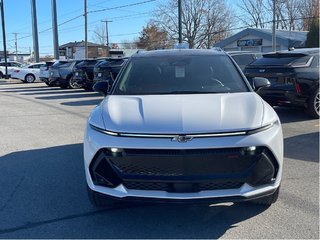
(182, 138)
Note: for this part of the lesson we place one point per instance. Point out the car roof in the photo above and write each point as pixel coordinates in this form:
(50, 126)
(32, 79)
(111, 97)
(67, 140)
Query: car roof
(232, 53)
(175, 52)
(301, 51)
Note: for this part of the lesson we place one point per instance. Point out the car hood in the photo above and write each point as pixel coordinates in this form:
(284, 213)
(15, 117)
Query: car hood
(182, 114)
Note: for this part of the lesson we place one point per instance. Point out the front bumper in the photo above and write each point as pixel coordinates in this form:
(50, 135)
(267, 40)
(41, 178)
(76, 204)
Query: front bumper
(172, 185)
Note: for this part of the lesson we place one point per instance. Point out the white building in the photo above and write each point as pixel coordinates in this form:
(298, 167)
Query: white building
(260, 40)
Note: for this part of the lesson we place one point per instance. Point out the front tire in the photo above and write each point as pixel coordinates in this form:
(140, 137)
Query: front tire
(74, 84)
(268, 200)
(313, 104)
(29, 78)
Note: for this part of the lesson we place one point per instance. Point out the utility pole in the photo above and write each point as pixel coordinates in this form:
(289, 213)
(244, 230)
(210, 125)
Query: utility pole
(4, 39)
(274, 46)
(85, 29)
(55, 30)
(35, 30)
(16, 44)
(179, 21)
(107, 34)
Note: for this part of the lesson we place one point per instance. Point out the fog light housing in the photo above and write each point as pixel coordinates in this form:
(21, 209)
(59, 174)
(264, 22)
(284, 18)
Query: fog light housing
(251, 150)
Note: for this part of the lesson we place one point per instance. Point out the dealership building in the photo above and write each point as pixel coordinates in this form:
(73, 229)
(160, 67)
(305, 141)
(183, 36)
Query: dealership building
(260, 40)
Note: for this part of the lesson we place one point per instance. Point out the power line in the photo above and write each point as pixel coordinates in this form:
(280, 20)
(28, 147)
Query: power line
(123, 6)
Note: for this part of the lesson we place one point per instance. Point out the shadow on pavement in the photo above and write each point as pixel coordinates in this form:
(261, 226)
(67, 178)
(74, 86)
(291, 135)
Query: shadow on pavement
(82, 95)
(302, 147)
(83, 103)
(43, 195)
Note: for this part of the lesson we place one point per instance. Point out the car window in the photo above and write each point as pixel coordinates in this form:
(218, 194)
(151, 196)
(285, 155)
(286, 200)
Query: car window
(180, 74)
(244, 59)
(13, 64)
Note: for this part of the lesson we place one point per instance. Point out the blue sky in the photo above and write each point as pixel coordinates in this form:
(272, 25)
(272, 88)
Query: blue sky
(127, 22)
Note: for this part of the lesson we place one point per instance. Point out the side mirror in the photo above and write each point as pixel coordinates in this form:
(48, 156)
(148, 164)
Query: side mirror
(101, 87)
(260, 82)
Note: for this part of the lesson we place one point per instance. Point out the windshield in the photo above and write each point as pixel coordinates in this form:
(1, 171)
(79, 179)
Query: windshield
(179, 75)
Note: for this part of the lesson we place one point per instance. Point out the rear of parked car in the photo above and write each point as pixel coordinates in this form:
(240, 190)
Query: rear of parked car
(62, 73)
(294, 78)
(83, 74)
(108, 69)
(44, 72)
(27, 74)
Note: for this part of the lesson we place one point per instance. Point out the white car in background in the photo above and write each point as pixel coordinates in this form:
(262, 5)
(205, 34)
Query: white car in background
(27, 74)
(11, 66)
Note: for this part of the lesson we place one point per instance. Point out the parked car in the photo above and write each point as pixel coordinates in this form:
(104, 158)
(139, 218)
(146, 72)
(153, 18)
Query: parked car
(27, 74)
(294, 78)
(108, 69)
(11, 66)
(183, 125)
(243, 58)
(44, 72)
(61, 73)
(83, 74)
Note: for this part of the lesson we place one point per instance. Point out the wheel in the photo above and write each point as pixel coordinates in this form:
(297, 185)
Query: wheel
(268, 200)
(99, 200)
(313, 104)
(1, 75)
(29, 78)
(73, 83)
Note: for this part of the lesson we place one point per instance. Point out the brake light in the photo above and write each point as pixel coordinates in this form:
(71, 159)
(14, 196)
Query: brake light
(17, 71)
(298, 88)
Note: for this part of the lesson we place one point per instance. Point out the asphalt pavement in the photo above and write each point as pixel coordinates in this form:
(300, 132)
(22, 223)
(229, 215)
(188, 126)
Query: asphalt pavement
(43, 187)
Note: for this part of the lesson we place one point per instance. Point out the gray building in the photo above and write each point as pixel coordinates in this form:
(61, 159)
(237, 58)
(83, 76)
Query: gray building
(260, 40)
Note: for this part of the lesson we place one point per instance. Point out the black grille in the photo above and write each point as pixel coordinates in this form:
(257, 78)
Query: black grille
(183, 170)
(170, 163)
(170, 187)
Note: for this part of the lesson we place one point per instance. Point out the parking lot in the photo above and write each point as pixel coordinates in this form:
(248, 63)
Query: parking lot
(43, 187)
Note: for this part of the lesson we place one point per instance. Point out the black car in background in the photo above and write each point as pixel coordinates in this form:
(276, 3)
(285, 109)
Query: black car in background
(244, 58)
(294, 78)
(83, 74)
(108, 69)
(61, 73)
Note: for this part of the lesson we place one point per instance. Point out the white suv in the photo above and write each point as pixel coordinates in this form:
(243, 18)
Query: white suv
(183, 125)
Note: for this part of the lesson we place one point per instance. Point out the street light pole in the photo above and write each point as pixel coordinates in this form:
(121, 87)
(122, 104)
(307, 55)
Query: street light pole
(274, 47)
(85, 29)
(179, 21)
(4, 39)
(107, 34)
(55, 29)
(35, 30)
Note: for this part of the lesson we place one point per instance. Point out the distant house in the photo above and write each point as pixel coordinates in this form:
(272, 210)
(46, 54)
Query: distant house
(20, 57)
(76, 50)
(260, 40)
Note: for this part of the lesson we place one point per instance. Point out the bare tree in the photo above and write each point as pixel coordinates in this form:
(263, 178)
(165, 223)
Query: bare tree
(309, 12)
(99, 34)
(203, 22)
(255, 13)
